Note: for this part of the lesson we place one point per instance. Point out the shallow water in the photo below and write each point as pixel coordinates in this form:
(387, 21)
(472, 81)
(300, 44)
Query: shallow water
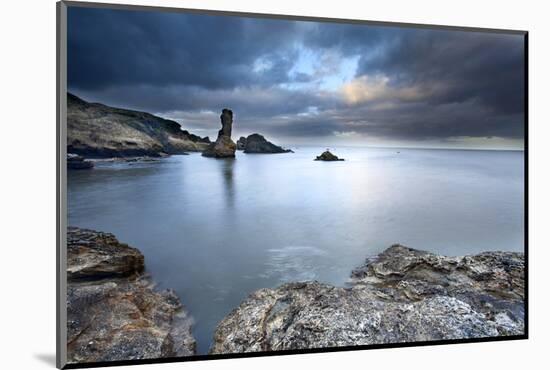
(216, 230)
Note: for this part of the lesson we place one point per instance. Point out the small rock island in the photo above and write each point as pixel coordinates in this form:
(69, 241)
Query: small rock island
(258, 144)
(328, 156)
(223, 147)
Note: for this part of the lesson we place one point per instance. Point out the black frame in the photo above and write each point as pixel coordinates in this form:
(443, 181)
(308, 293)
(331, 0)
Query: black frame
(61, 184)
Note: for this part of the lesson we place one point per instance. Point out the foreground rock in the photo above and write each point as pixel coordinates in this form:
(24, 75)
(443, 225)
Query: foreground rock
(403, 295)
(258, 144)
(328, 156)
(224, 147)
(113, 312)
(76, 162)
(99, 131)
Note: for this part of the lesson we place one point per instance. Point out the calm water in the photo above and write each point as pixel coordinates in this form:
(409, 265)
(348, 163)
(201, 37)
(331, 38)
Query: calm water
(216, 230)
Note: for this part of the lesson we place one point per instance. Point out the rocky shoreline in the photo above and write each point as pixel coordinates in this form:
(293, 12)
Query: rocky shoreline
(113, 311)
(98, 131)
(401, 295)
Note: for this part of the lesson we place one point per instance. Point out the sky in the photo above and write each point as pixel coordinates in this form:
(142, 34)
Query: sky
(303, 82)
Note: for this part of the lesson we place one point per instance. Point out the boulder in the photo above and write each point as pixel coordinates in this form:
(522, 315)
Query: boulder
(328, 156)
(258, 144)
(113, 311)
(402, 295)
(223, 147)
(92, 254)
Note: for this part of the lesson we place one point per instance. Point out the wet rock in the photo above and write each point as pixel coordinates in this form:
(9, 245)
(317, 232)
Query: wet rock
(223, 147)
(402, 295)
(76, 162)
(241, 143)
(258, 144)
(113, 311)
(328, 156)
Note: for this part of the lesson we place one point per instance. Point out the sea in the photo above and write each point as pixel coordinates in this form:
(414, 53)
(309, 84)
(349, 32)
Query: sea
(216, 230)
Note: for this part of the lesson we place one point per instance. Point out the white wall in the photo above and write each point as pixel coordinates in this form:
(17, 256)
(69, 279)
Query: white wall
(27, 203)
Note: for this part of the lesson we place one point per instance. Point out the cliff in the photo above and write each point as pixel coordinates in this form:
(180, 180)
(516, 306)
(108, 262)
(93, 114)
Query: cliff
(97, 130)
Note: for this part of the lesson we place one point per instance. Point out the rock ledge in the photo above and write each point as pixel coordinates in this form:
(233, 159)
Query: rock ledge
(402, 295)
(113, 311)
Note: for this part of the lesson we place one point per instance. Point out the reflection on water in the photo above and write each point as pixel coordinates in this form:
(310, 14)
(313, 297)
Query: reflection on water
(227, 173)
(216, 230)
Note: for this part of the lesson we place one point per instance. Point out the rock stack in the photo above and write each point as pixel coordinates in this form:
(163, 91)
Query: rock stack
(224, 147)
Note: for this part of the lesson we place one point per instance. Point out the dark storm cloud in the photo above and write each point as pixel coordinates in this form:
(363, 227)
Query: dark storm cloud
(119, 47)
(464, 65)
(301, 79)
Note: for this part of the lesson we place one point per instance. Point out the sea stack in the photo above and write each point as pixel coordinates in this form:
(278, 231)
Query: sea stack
(224, 147)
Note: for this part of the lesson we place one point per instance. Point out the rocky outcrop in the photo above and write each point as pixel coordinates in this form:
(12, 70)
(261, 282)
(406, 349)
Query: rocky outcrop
(258, 144)
(402, 295)
(77, 162)
(113, 311)
(223, 147)
(241, 143)
(99, 131)
(328, 156)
